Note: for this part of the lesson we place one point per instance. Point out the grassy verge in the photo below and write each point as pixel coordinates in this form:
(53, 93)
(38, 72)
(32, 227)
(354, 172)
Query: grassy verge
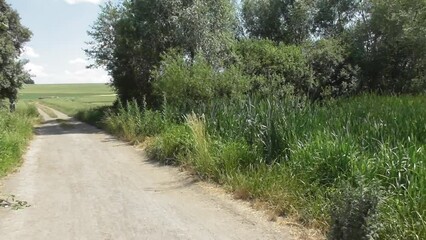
(355, 168)
(15, 132)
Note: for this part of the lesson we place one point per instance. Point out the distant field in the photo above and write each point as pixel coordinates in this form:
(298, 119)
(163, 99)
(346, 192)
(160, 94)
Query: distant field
(69, 98)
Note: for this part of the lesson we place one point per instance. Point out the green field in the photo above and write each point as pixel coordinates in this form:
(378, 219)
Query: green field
(69, 98)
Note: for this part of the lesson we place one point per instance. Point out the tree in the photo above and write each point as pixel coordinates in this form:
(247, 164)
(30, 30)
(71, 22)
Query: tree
(333, 17)
(129, 39)
(103, 33)
(333, 73)
(389, 45)
(287, 21)
(12, 37)
(209, 28)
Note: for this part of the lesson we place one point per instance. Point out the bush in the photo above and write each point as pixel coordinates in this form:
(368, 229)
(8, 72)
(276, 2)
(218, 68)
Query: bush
(188, 83)
(354, 213)
(172, 146)
(93, 116)
(276, 69)
(333, 75)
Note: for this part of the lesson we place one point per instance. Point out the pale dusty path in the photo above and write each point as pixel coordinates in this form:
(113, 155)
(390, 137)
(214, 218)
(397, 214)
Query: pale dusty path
(84, 184)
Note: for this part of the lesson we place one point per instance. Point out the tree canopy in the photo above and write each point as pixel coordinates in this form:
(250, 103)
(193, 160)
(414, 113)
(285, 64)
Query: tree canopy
(12, 37)
(129, 38)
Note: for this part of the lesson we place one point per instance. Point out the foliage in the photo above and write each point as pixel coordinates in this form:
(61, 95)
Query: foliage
(92, 116)
(275, 69)
(129, 39)
(354, 213)
(132, 124)
(319, 70)
(333, 73)
(282, 21)
(15, 133)
(332, 18)
(356, 163)
(172, 146)
(187, 83)
(325, 146)
(390, 47)
(12, 37)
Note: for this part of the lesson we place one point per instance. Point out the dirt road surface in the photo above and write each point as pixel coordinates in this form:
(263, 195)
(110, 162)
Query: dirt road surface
(84, 184)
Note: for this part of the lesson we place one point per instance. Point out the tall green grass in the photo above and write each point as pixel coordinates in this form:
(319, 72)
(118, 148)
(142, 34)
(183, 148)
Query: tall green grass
(15, 133)
(354, 167)
(132, 124)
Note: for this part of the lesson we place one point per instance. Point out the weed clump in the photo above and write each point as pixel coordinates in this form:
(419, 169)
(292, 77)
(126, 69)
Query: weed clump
(354, 213)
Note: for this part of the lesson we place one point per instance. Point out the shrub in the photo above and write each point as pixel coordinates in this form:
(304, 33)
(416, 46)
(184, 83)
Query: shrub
(93, 116)
(333, 75)
(172, 146)
(354, 213)
(188, 83)
(275, 68)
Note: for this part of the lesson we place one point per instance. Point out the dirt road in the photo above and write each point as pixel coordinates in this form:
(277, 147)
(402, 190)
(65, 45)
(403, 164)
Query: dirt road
(84, 184)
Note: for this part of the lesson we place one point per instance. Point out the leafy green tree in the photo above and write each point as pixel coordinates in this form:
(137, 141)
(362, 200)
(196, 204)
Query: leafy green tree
(103, 33)
(333, 73)
(129, 39)
(287, 21)
(12, 37)
(333, 17)
(390, 46)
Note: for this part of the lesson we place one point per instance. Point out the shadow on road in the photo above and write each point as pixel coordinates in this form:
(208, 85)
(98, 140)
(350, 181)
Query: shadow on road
(62, 127)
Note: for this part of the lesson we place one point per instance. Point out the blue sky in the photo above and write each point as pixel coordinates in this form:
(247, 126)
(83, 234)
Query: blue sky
(59, 34)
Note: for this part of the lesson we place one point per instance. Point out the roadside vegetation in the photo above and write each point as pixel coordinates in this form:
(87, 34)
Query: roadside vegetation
(16, 130)
(312, 107)
(353, 168)
(16, 127)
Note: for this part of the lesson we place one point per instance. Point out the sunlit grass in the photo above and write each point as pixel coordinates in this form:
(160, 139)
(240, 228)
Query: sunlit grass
(15, 133)
(356, 164)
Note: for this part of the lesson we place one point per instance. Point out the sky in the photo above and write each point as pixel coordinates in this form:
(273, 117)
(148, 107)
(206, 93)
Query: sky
(59, 30)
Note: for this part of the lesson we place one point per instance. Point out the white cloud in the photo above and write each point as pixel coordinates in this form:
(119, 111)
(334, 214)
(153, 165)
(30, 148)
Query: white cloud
(76, 73)
(35, 70)
(79, 61)
(85, 75)
(83, 1)
(77, 76)
(29, 52)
